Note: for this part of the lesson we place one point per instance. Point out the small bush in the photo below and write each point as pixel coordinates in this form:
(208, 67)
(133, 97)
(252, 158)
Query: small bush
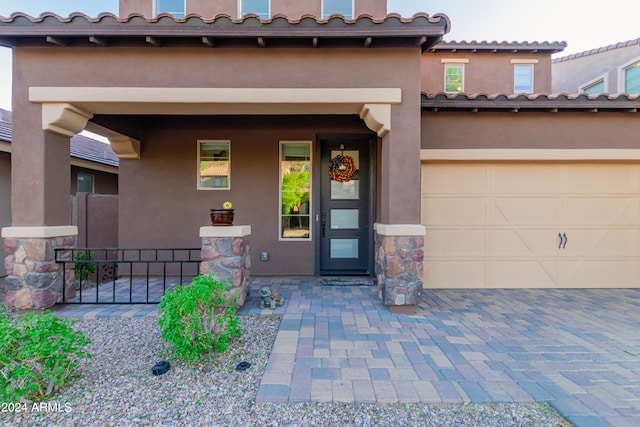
(197, 319)
(38, 355)
(83, 270)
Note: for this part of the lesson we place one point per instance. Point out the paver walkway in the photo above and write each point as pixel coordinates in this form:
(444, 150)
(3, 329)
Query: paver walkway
(577, 349)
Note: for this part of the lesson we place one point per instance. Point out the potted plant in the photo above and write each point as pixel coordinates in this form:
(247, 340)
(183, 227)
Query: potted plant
(222, 216)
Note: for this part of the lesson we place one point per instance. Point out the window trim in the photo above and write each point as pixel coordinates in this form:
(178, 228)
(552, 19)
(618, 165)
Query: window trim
(353, 11)
(296, 239)
(198, 186)
(461, 63)
(533, 79)
(155, 9)
(93, 182)
(241, 15)
(621, 73)
(604, 78)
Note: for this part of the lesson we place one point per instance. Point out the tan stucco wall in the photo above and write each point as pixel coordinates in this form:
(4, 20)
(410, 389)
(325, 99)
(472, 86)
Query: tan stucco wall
(291, 8)
(5, 196)
(530, 130)
(485, 72)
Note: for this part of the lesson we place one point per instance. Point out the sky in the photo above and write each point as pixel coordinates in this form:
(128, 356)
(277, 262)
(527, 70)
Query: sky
(583, 24)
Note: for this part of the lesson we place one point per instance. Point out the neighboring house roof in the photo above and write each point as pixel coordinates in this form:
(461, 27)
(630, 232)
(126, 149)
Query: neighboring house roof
(499, 47)
(634, 42)
(82, 148)
(164, 30)
(535, 102)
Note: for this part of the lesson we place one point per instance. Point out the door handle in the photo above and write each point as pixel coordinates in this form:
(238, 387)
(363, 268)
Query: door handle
(563, 240)
(323, 223)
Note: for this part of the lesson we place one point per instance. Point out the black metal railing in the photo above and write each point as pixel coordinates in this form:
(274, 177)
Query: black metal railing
(125, 276)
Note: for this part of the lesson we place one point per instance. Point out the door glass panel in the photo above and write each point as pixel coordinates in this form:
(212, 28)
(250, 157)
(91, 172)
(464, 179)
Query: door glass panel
(349, 190)
(342, 219)
(344, 248)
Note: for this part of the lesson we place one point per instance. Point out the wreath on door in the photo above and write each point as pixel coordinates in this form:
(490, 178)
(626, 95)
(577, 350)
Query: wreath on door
(342, 168)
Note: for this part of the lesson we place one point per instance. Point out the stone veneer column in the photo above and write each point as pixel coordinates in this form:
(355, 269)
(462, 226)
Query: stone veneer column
(34, 279)
(225, 252)
(399, 265)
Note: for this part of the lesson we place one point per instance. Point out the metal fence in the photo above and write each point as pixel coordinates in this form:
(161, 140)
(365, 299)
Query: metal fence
(126, 276)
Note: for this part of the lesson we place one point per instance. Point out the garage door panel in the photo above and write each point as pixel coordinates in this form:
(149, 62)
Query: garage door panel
(454, 273)
(523, 210)
(526, 179)
(449, 179)
(602, 210)
(587, 273)
(601, 242)
(451, 210)
(606, 179)
(457, 241)
(524, 242)
(525, 273)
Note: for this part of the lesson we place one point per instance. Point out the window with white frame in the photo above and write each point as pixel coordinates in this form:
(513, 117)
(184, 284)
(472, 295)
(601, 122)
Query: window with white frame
(340, 7)
(262, 8)
(177, 8)
(84, 183)
(214, 165)
(631, 78)
(523, 78)
(596, 86)
(453, 77)
(295, 190)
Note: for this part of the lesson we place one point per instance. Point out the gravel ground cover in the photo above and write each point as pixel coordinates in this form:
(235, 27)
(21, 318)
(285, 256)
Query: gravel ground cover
(116, 388)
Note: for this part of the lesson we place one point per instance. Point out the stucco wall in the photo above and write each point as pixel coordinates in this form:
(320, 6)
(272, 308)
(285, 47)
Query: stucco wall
(485, 72)
(530, 130)
(291, 8)
(5, 196)
(570, 75)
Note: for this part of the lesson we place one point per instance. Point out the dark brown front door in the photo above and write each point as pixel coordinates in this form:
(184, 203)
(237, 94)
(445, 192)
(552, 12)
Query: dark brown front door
(346, 212)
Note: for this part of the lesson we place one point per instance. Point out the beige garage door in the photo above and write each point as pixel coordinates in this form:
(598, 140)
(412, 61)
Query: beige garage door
(517, 225)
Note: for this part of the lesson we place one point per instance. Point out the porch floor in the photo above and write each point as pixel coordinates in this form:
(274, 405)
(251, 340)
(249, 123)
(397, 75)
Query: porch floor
(578, 349)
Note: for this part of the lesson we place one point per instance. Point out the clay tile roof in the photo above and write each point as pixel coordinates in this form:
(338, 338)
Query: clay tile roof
(634, 42)
(107, 29)
(530, 102)
(499, 47)
(81, 147)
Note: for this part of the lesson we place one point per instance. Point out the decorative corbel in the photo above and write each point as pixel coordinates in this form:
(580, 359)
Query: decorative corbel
(64, 118)
(377, 117)
(125, 147)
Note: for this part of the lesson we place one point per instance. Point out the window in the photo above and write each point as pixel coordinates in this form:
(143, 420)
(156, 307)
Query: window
(594, 87)
(632, 78)
(341, 7)
(454, 77)
(523, 78)
(175, 7)
(295, 190)
(214, 165)
(85, 183)
(262, 8)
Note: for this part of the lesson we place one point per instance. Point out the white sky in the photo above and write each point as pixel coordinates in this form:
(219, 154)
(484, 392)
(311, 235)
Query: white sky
(583, 24)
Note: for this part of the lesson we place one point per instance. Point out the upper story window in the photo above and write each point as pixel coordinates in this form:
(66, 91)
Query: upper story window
(341, 7)
(214, 165)
(454, 74)
(262, 8)
(523, 75)
(630, 77)
(595, 86)
(176, 8)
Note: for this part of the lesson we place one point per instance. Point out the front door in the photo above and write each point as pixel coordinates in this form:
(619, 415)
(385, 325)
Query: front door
(346, 211)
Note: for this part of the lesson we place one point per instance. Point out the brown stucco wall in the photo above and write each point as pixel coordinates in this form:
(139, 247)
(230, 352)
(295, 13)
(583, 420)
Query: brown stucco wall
(172, 209)
(5, 196)
(291, 8)
(103, 182)
(485, 72)
(530, 130)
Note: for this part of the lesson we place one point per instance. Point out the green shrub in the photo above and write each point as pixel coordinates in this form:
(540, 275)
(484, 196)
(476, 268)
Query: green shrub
(197, 319)
(38, 355)
(83, 270)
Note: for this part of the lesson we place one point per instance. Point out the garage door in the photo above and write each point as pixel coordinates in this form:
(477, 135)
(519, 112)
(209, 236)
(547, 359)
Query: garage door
(537, 225)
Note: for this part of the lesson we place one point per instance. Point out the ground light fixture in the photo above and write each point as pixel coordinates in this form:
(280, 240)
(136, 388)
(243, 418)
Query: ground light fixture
(160, 368)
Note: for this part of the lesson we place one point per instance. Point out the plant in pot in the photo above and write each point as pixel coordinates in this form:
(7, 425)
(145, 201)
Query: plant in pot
(222, 216)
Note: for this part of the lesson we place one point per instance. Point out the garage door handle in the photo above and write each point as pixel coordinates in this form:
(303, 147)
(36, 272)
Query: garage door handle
(563, 240)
